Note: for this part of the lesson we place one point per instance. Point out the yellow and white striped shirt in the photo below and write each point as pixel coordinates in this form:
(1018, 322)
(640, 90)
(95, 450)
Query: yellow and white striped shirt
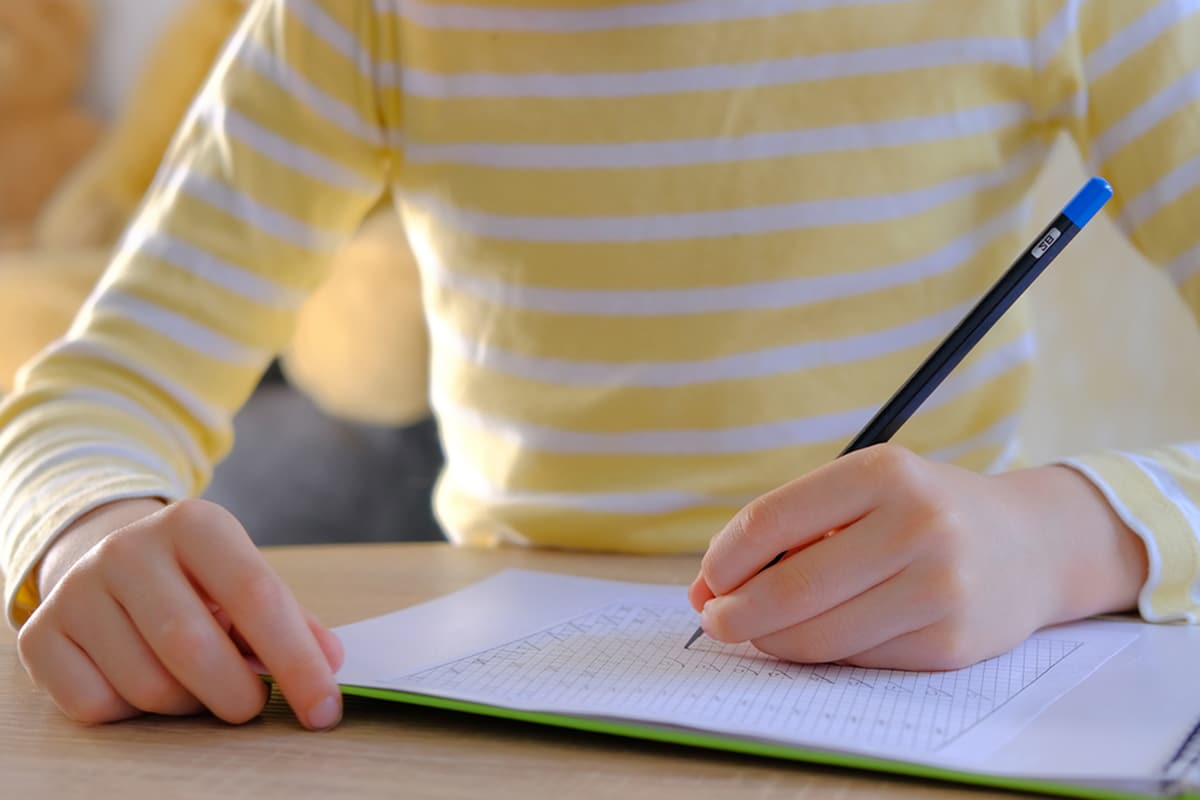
(673, 253)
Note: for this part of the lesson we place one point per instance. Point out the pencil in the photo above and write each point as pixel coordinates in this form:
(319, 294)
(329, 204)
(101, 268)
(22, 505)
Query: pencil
(978, 321)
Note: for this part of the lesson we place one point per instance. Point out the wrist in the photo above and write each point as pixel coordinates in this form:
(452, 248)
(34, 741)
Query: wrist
(1094, 563)
(85, 533)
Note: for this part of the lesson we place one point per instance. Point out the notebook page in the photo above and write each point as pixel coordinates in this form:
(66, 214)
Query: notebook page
(606, 649)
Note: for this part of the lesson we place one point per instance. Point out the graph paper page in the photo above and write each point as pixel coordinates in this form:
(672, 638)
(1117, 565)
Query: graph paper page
(582, 647)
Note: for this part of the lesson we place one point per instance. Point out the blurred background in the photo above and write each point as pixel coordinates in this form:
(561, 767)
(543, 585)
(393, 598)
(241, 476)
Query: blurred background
(1115, 369)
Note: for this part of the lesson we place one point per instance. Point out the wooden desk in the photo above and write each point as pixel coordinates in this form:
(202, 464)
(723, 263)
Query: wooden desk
(385, 749)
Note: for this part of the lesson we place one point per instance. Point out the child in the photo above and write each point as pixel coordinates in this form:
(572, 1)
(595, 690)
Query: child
(674, 255)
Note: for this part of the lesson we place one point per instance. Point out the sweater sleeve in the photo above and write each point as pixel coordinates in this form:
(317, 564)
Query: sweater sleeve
(279, 158)
(1125, 80)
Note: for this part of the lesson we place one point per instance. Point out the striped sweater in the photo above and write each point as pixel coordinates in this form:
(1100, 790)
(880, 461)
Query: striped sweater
(673, 253)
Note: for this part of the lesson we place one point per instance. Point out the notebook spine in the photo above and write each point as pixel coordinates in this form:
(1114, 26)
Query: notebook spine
(1182, 773)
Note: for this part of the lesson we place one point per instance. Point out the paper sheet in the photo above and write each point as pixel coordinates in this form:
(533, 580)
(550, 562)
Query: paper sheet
(583, 647)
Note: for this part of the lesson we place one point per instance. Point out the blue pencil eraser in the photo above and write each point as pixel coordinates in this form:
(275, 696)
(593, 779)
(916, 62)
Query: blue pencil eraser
(1090, 199)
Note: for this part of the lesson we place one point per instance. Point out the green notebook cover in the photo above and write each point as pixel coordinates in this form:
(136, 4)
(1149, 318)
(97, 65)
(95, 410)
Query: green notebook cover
(765, 749)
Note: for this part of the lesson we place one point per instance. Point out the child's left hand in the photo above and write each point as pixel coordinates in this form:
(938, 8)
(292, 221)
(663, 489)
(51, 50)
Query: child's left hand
(931, 566)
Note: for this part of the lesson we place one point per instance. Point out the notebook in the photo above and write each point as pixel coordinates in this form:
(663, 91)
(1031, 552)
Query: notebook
(1094, 709)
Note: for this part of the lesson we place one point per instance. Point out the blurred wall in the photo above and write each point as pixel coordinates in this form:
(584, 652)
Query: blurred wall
(124, 30)
(1119, 352)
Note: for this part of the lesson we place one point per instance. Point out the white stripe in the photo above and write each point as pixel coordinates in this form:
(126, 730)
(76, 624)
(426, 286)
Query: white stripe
(1002, 432)
(721, 223)
(788, 293)
(779, 144)
(1136, 35)
(650, 502)
(1055, 33)
(169, 433)
(1189, 449)
(1008, 455)
(225, 120)
(307, 95)
(1166, 190)
(29, 514)
(333, 34)
(1153, 556)
(175, 327)
(719, 77)
(248, 210)
(663, 374)
(206, 415)
(71, 451)
(1185, 266)
(102, 398)
(148, 240)
(457, 16)
(1073, 107)
(1162, 105)
(742, 439)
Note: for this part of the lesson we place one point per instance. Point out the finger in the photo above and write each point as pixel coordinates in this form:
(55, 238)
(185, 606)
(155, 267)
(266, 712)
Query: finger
(810, 582)
(833, 496)
(63, 669)
(187, 639)
(935, 647)
(889, 610)
(268, 617)
(699, 593)
(107, 634)
(329, 642)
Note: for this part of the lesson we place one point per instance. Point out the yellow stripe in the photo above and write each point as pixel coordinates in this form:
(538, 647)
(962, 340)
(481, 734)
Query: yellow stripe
(871, 98)
(802, 177)
(718, 261)
(732, 41)
(617, 339)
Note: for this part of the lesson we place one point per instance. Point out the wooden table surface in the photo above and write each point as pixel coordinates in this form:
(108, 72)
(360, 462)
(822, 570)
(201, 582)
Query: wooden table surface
(386, 749)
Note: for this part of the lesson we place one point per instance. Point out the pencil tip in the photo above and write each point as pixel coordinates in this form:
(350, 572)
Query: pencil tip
(695, 636)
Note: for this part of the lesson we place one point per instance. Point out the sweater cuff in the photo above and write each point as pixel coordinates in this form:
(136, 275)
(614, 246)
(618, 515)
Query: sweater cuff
(40, 530)
(1148, 499)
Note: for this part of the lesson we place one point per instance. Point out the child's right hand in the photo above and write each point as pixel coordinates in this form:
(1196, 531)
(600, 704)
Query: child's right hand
(152, 609)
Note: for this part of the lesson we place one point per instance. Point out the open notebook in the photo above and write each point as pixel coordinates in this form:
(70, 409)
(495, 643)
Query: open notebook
(1103, 709)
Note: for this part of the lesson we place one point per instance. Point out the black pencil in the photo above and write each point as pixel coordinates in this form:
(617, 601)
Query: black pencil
(978, 321)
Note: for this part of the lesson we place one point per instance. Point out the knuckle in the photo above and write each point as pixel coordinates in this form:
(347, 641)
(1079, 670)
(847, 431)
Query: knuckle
(759, 519)
(123, 546)
(195, 516)
(949, 586)
(895, 467)
(260, 594)
(185, 639)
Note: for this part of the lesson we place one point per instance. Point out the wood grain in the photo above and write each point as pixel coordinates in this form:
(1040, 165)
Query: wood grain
(385, 749)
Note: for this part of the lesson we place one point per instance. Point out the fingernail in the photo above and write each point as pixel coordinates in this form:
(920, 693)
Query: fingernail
(325, 714)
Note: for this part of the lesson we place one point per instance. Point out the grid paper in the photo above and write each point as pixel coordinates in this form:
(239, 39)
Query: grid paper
(626, 660)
